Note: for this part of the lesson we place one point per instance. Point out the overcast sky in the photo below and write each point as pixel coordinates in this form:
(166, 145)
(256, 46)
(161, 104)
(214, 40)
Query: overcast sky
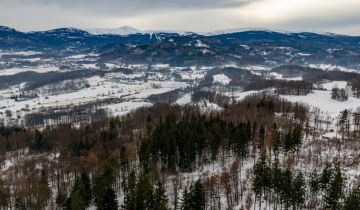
(337, 16)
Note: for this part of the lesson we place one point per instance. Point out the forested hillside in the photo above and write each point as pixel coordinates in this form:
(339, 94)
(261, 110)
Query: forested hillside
(262, 152)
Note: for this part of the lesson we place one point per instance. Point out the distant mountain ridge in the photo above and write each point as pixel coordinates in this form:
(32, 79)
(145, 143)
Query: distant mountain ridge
(123, 30)
(238, 48)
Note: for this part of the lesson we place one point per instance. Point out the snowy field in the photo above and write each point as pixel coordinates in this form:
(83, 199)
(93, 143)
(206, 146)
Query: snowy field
(133, 94)
(322, 99)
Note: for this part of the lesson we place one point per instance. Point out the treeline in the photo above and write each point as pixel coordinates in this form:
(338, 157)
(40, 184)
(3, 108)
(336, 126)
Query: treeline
(210, 96)
(283, 87)
(168, 97)
(199, 140)
(339, 94)
(355, 87)
(80, 114)
(348, 123)
(286, 189)
(62, 87)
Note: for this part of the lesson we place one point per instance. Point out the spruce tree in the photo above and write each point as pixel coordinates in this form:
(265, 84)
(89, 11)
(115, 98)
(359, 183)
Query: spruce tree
(314, 185)
(325, 177)
(194, 198)
(335, 190)
(262, 176)
(130, 193)
(198, 193)
(352, 202)
(298, 187)
(186, 200)
(102, 182)
(4, 195)
(144, 193)
(87, 193)
(80, 197)
(77, 201)
(109, 201)
(286, 189)
(159, 200)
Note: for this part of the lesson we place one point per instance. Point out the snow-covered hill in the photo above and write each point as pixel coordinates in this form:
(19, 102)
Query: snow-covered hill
(124, 30)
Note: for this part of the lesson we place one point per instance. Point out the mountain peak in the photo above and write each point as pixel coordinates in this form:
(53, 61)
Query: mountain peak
(5, 28)
(123, 30)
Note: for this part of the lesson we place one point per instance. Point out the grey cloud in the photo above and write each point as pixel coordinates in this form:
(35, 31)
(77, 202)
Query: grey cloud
(335, 24)
(195, 15)
(128, 7)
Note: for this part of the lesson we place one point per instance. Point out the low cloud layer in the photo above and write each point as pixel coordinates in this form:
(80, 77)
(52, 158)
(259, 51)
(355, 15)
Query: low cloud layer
(338, 16)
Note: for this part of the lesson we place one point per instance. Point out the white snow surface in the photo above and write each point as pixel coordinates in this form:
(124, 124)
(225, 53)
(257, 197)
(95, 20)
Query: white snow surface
(39, 69)
(185, 99)
(322, 100)
(221, 79)
(330, 85)
(281, 77)
(124, 30)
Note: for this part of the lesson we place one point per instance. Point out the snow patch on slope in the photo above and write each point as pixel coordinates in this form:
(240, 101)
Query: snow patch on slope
(124, 30)
(322, 100)
(221, 79)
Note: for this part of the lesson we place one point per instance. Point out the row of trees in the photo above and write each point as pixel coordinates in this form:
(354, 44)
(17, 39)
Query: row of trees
(288, 189)
(355, 87)
(339, 94)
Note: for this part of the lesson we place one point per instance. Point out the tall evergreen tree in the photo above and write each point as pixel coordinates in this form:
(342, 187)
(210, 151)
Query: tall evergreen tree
(335, 191)
(81, 195)
(109, 201)
(130, 192)
(352, 201)
(325, 177)
(102, 182)
(298, 187)
(194, 198)
(4, 195)
(159, 199)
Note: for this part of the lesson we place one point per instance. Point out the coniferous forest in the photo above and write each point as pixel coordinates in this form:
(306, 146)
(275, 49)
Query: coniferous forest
(259, 153)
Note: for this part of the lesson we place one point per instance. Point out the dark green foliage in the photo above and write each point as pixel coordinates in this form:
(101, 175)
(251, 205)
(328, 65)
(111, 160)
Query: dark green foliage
(194, 197)
(261, 138)
(335, 191)
(314, 182)
(141, 194)
(289, 189)
(144, 193)
(261, 176)
(275, 139)
(77, 201)
(325, 177)
(298, 187)
(130, 192)
(315, 186)
(61, 197)
(179, 144)
(40, 143)
(159, 198)
(109, 200)
(292, 139)
(4, 195)
(352, 202)
(103, 186)
(285, 188)
(81, 196)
